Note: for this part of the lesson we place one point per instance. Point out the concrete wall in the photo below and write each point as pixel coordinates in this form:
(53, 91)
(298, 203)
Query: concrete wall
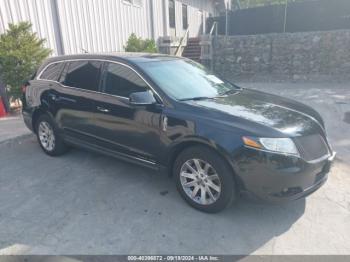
(313, 56)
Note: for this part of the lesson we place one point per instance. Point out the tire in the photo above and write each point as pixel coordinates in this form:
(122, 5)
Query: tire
(46, 130)
(190, 183)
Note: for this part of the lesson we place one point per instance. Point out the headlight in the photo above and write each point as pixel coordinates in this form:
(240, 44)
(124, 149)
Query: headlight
(278, 145)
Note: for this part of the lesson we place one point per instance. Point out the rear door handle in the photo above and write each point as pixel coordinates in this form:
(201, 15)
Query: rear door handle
(57, 98)
(102, 109)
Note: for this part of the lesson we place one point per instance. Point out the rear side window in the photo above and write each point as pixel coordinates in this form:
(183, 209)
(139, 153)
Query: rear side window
(52, 72)
(83, 74)
(122, 81)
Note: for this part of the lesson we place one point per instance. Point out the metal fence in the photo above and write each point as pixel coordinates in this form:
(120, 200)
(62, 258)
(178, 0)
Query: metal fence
(317, 15)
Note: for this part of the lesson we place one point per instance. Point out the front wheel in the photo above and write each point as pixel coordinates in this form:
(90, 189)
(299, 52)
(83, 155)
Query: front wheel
(204, 179)
(49, 139)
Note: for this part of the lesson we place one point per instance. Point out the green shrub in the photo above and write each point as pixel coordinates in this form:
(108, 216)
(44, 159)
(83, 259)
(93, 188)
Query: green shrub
(137, 44)
(21, 52)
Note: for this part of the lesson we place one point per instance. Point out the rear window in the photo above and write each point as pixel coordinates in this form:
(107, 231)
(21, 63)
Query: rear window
(52, 72)
(83, 75)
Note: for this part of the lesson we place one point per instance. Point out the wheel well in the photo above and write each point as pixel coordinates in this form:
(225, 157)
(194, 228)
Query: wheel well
(183, 146)
(37, 113)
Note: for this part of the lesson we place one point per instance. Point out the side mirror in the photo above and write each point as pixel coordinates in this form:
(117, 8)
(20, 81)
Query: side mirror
(142, 98)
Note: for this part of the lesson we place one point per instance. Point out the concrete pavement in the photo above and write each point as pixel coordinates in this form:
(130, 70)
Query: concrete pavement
(12, 127)
(85, 203)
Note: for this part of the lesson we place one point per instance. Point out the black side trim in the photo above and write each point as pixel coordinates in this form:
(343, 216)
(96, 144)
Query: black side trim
(81, 143)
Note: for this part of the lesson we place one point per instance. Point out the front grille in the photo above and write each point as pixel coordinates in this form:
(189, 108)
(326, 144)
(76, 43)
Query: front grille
(311, 147)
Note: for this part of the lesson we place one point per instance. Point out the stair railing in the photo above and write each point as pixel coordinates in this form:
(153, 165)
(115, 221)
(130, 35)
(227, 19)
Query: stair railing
(206, 44)
(214, 27)
(180, 49)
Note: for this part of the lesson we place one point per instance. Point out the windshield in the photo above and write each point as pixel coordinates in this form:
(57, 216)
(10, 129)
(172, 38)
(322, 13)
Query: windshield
(184, 80)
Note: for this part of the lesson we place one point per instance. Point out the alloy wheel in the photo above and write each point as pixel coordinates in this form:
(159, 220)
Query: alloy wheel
(46, 136)
(200, 181)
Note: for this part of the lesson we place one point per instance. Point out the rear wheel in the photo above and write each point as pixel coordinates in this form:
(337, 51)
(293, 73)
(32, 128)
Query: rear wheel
(48, 137)
(204, 179)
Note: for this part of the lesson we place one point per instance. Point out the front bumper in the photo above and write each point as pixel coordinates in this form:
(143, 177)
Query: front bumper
(279, 178)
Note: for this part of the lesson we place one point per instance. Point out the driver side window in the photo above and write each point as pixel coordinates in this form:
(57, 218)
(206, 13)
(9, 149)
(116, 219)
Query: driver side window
(121, 81)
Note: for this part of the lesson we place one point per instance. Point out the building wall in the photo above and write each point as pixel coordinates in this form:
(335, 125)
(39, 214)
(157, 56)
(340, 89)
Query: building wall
(159, 18)
(38, 12)
(99, 26)
(316, 56)
(195, 19)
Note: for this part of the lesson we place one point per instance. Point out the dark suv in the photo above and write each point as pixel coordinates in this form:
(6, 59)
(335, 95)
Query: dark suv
(163, 112)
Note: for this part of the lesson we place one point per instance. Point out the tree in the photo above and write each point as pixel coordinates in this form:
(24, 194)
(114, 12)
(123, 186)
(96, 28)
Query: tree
(137, 44)
(21, 53)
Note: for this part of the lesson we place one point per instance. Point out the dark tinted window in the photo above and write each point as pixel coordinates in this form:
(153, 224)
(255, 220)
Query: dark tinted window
(52, 72)
(172, 13)
(83, 74)
(184, 17)
(122, 81)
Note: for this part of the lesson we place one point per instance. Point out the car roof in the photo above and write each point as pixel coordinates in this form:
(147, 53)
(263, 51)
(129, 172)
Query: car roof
(134, 58)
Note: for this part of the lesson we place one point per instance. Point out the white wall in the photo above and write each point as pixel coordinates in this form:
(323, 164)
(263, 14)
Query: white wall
(194, 7)
(38, 12)
(99, 25)
(160, 18)
(103, 25)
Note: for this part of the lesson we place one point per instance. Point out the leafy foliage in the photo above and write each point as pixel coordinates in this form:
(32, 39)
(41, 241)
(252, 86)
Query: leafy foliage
(137, 44)
(21, 52)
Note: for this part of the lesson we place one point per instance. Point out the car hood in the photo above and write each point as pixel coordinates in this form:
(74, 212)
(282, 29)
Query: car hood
(285, 115)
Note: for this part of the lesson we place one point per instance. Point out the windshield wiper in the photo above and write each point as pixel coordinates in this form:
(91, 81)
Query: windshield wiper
(197, 98)
(230, 92)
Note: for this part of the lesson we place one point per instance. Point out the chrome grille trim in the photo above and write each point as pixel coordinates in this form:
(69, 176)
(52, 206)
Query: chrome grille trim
(313, 148)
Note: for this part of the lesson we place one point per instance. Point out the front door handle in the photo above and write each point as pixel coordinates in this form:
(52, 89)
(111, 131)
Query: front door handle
(102, 109)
